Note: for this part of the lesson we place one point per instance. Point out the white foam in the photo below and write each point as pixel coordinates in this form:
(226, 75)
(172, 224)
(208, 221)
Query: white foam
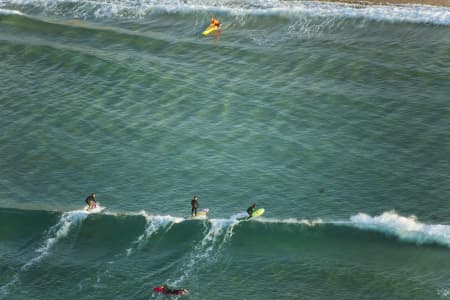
(239, 215)
(98, 209)
(154, 225)
(444, 293)
(219, 227)
(4, 290)
(289, 221)
(405, 228)
(216, 234)
(133, 9)
(10, 12)
(403, 13)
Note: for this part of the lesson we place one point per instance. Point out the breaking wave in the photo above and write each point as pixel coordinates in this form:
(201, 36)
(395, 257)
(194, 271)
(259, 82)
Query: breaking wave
(221, 230)
(87, 9)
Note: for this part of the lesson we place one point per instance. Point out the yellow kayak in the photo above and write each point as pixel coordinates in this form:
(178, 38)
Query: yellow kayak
(211, 28)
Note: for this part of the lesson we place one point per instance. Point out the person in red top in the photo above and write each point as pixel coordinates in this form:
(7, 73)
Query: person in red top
(215, 23)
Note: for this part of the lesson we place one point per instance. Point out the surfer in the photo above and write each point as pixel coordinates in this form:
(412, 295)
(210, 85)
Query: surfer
(194, 204)
(168, 291)
(214, 26)
(215, 23)
(90, 200)
(251, 209)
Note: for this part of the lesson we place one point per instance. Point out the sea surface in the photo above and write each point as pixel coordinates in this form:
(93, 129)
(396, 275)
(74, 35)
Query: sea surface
(335, 118)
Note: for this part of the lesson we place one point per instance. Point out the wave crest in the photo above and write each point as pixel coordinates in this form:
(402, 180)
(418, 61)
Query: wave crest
(138, 9)
(405, 228)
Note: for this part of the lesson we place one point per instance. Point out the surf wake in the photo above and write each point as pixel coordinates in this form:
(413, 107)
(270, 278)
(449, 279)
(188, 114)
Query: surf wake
(154, 224)
(216, 234)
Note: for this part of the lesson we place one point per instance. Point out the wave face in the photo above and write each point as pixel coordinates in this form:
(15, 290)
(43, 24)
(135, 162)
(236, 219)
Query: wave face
(95, 250)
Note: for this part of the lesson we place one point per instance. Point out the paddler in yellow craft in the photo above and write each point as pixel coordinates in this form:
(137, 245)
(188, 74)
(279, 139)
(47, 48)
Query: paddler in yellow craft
(215, 23)
(213, 27)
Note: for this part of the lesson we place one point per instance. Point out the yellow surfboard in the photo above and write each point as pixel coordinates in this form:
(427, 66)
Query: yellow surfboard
(257, 212)
(211, 28)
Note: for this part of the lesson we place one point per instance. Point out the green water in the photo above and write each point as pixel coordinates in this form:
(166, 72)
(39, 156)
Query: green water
(335, 119)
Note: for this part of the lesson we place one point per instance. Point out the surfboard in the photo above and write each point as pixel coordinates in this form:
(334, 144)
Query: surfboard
(201, 214)
(257, 212)
(211, 28)
(95, 209)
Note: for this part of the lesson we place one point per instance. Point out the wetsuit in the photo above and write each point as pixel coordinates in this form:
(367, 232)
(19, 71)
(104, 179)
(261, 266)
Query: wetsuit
(168, 291)
(175, 292)
(89, 199)
(194, 204)
(250, 210)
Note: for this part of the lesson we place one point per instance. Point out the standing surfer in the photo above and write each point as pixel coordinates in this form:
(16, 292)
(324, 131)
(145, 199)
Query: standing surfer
(90, 200)
(194, 204)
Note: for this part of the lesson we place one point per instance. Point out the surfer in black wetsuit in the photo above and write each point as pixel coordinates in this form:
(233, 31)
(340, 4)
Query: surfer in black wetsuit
(90, 200)
(251, 209)
(194, 204)
(167, 290)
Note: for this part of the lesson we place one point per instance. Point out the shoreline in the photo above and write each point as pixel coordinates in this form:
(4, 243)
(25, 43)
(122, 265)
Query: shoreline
(442, 3)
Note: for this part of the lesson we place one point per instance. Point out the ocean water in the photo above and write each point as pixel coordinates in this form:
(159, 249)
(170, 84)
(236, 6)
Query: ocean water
(335, 118)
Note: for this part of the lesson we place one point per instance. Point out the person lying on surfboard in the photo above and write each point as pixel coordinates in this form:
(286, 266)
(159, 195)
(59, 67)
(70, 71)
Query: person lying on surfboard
(168, 291)
(90, 200)
(215, 23)
(251, 209)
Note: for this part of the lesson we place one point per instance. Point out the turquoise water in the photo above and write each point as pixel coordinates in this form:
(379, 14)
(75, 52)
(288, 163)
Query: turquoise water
(334, 118)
